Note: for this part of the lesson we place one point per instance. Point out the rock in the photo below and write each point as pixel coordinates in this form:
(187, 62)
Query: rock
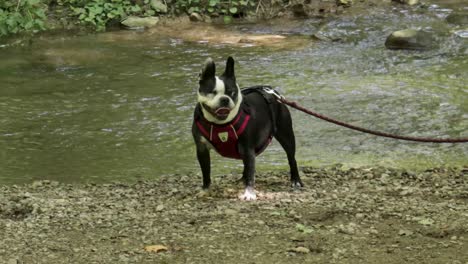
(36, 184)
(159, 6)
(360, 216)
(156, 248)
(404, 232)
(140, 22)
(159, 208)
(407, 2)
(460, 19)
(426, 221)
(461, 33)
(302, 250)
(345, 2)
(230, 212)
(195, 17)
(12, 261)
(410, 39)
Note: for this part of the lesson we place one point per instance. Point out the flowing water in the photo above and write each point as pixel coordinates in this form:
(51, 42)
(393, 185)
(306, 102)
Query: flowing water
(118, 105)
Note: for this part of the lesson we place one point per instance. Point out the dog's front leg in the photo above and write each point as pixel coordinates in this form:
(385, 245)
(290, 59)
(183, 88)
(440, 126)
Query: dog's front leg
(203, 156)
(248, 157)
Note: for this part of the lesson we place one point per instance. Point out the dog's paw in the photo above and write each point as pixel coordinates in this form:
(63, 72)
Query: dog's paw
(296, 185)
(203, 193)
(248, 195)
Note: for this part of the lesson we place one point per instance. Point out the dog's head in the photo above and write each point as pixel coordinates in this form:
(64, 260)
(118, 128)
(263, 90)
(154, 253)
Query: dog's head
(219, 97)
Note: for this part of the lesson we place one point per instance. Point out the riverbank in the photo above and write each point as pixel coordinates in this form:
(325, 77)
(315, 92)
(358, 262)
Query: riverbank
(364, 215)
(25, 17)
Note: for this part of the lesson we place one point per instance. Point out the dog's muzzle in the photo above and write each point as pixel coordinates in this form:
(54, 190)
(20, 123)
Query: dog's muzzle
(220, 113)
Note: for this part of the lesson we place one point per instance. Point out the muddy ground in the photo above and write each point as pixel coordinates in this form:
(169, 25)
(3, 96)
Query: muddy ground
(374, 215)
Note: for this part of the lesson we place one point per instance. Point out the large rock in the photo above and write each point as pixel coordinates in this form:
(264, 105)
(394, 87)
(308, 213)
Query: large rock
(159, 6)
(140, 22)
(407, 2)
(410, 39)
(346, 3)
(195, 17)
(460, 19)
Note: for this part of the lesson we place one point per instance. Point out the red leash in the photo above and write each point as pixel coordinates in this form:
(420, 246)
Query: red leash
(369, 131)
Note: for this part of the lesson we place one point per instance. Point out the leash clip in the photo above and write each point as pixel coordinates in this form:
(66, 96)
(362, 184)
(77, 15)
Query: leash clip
(273, 92)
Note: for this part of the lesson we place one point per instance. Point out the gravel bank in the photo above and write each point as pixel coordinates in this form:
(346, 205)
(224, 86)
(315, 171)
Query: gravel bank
(374, 215)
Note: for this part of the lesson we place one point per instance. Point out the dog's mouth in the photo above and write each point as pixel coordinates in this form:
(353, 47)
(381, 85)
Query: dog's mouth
(220, 113)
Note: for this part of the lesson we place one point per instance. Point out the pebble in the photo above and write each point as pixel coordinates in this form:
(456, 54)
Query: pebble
(159, 208)
(302, 250)
(13, 261)
(230, 211)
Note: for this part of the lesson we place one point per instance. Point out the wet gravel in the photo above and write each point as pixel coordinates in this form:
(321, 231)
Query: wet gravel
(365, 215)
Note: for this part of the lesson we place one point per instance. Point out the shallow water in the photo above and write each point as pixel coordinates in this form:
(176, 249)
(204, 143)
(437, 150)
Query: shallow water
(118, 106)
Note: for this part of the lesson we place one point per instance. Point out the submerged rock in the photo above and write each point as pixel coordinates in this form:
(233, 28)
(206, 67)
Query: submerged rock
(410, 39)
(463, 33)
(140, 22)
(460, 19)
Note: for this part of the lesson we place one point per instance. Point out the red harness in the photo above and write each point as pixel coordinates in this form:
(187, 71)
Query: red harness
(224, 137)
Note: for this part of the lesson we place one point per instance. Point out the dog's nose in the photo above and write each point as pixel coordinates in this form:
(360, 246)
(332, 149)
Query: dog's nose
(224, 101)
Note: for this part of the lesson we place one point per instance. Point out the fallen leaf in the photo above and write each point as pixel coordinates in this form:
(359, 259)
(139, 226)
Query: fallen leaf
(156, 248)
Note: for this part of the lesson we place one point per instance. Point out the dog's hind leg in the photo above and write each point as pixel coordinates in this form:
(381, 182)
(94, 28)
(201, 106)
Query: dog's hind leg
(285, 136)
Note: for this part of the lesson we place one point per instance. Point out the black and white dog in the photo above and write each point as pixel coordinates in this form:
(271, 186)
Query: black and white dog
(239, 124)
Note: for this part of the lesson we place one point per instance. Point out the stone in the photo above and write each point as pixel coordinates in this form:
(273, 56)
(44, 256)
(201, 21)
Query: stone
(12, 261)
(140, 22)
(405, 232)
(345, 2)
(230, 212)
(195, 17)
(302, 250)
(410, 39)
(460, 19)
(461, 33)
(159, 6)
(407, 2)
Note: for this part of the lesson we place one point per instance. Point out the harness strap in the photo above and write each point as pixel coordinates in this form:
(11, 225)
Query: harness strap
(270, 95)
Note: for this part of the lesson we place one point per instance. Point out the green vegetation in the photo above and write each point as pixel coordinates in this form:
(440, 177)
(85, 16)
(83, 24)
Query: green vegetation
(22, 15)
(217, 7)
(33, 15)
(99, 13)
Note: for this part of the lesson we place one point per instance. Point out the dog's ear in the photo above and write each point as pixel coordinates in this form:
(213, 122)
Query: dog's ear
(229, 71)
(208, 70)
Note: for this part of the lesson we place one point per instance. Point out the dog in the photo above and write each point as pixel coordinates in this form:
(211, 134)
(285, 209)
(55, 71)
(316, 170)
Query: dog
(239, 124)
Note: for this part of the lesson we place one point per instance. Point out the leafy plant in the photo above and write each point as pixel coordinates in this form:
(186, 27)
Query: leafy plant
(30, 15)
(99, 13)
(227, 9)
(22, 15)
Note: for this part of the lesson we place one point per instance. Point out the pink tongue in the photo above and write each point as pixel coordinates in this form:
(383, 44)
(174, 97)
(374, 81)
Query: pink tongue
(222, 111)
